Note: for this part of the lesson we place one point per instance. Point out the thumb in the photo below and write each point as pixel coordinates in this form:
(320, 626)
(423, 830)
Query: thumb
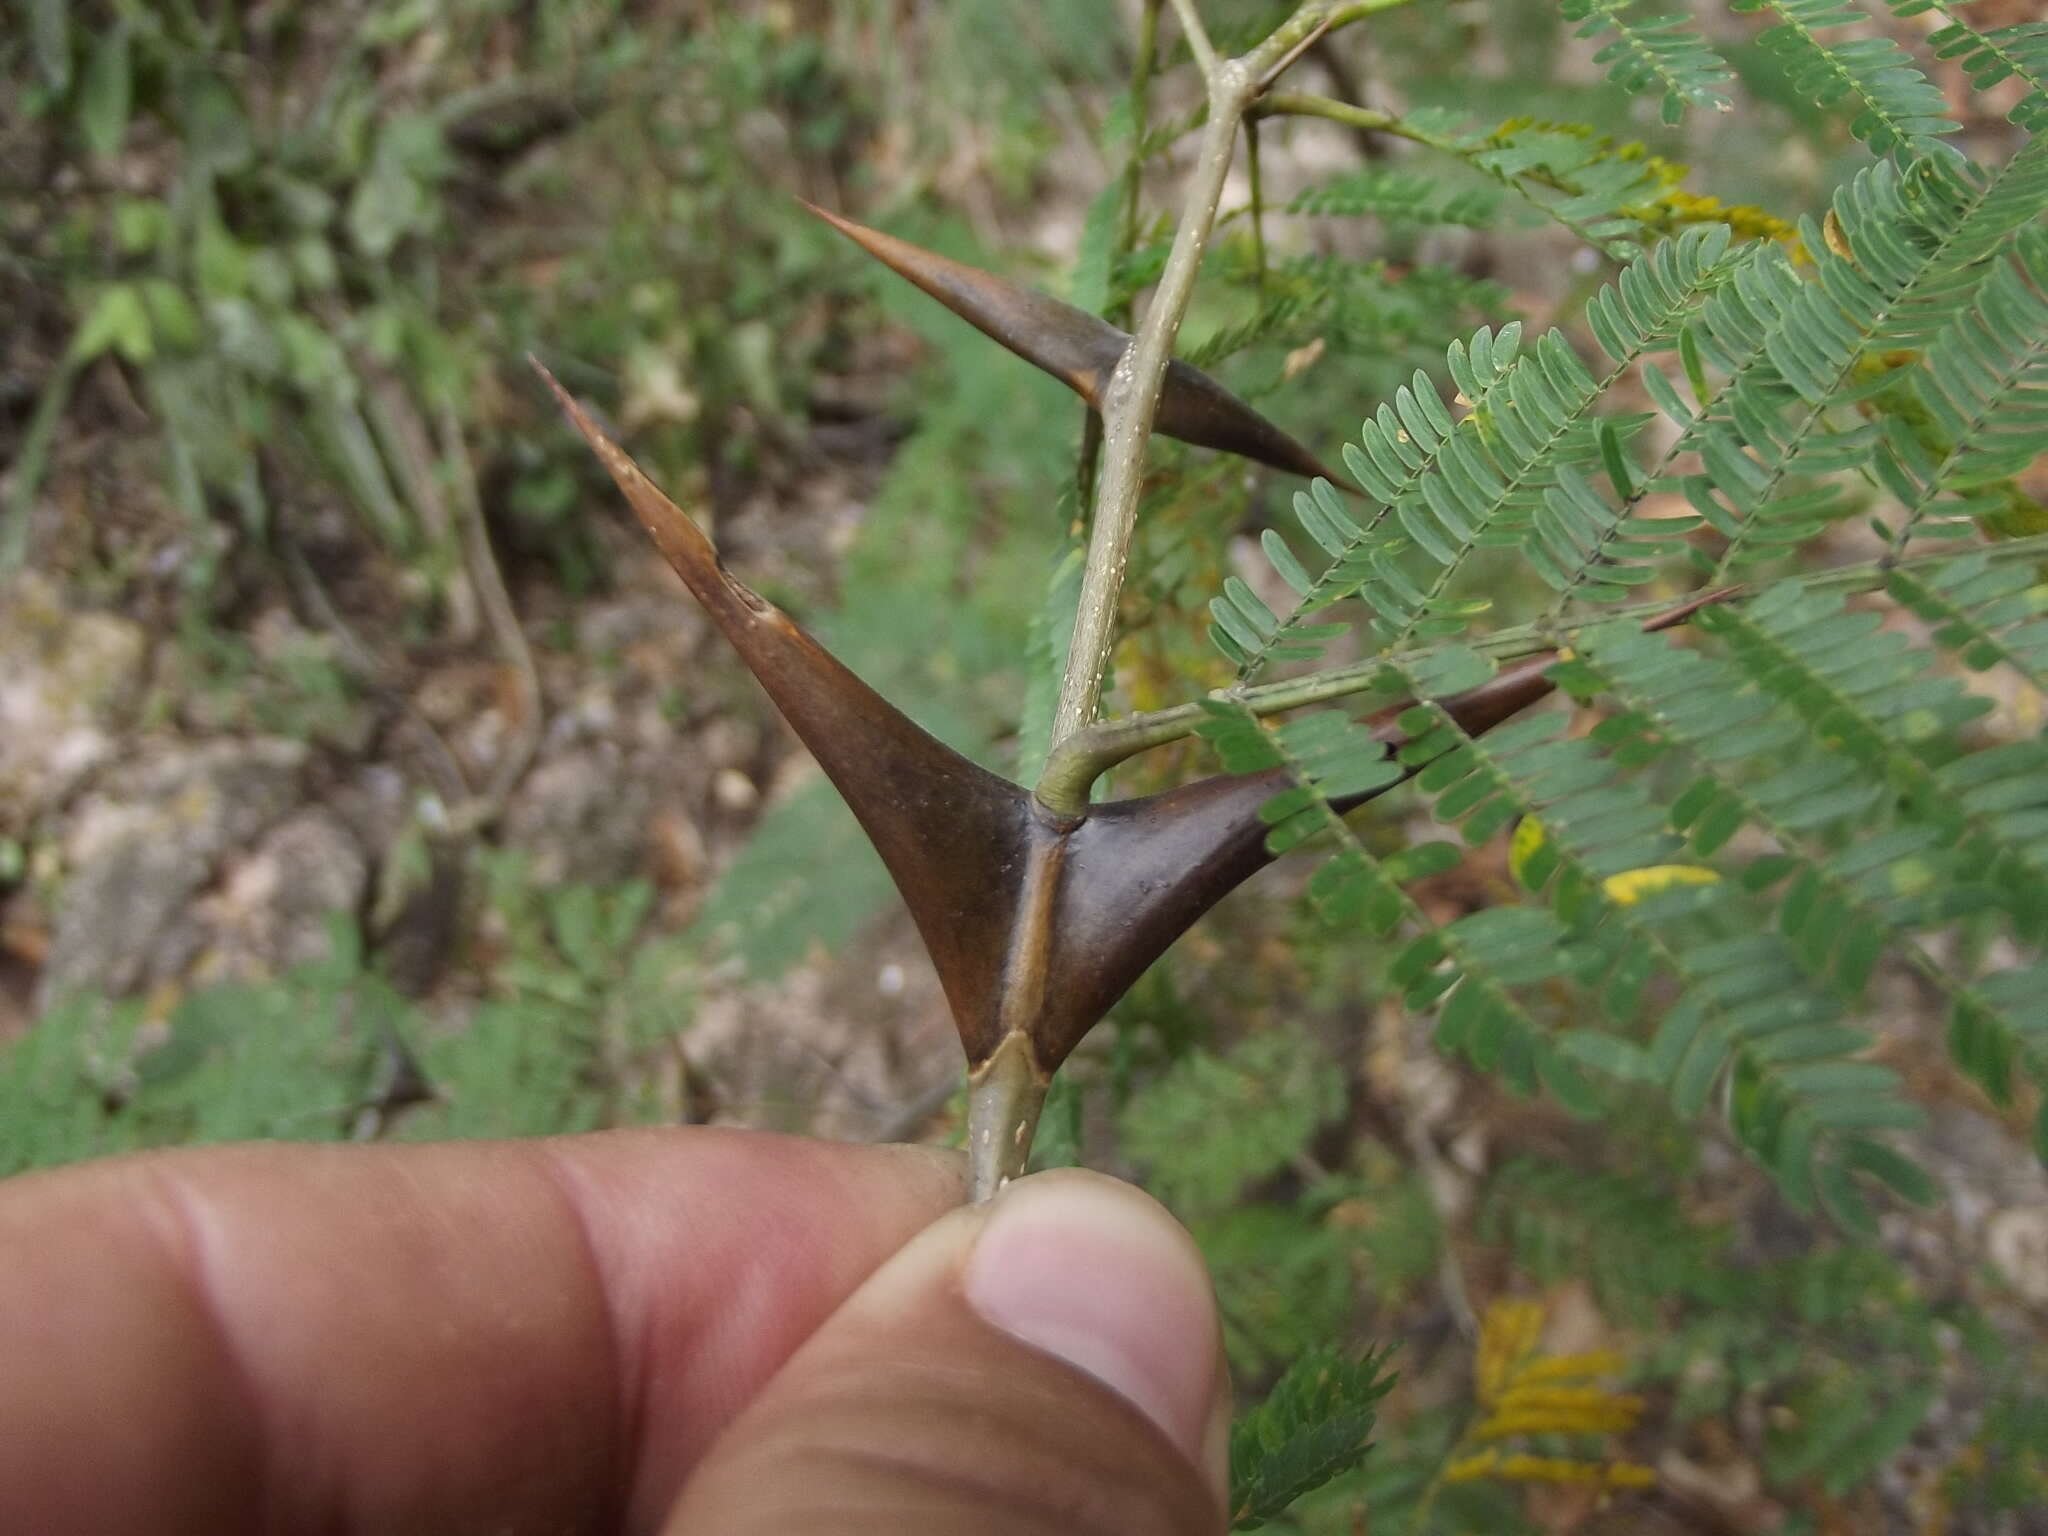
(1047, 1362)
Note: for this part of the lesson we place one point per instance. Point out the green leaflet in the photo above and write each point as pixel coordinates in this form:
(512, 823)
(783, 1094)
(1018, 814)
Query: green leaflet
(1662, 53)
(1316, 1423)
(1895, 105)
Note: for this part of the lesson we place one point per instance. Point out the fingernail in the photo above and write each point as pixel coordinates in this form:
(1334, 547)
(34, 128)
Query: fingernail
(1100, 1276)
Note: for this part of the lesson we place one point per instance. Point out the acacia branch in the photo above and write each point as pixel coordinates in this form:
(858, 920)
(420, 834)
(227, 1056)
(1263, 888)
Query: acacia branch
(1129, 404)
(1198, 38)
(1005, 1093)
(1130, 401)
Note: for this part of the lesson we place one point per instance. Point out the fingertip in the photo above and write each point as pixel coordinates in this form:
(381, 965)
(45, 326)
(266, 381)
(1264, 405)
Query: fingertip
(1047, 1360)
(1098, 1274)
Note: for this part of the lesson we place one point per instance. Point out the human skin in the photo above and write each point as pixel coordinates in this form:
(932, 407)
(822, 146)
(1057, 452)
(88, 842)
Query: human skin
(675, 1330)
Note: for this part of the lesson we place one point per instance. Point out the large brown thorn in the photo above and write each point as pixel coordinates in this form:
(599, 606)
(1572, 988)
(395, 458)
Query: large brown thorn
(1036, 923)
(1081, 351)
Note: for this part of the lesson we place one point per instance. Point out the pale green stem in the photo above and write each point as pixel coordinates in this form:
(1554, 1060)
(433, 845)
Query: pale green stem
(1198, 38)
(1003, 1102)
(1130, 401)
(1297, 104)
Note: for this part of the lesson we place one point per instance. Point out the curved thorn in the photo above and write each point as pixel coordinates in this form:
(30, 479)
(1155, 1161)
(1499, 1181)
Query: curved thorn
(1081, 351)
(950, 832)
(1036, 924)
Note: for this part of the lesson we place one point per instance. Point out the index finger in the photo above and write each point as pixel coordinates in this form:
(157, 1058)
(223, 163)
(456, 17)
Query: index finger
(504, 1336)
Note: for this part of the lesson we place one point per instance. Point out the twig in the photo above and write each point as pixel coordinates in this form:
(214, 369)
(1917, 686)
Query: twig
(1086, 755)
(1349, 88)
(503, 622)
(1286, 61)
(1003, 1102)
(1198, 38)
(1131, 400)
(404, 438)
(1007, 1091)
(1362, 119)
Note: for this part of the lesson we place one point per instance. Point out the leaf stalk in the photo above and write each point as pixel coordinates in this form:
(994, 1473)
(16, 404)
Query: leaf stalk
(1077, 762)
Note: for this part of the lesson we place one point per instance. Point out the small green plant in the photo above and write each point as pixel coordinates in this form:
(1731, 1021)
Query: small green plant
(576, 1036)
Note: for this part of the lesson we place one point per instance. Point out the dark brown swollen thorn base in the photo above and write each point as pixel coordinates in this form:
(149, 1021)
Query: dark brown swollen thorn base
(1036, 923)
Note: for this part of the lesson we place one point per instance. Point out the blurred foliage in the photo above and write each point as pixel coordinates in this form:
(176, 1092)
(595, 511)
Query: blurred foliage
(311, 245)
(577, 1034)
(1213, 1122)
(351, 219)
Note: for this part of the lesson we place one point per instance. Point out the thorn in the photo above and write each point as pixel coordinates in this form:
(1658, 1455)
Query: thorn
(1082, 350)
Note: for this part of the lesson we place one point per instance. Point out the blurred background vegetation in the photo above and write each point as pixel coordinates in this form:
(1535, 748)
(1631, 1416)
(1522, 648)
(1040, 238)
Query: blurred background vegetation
(363, 773)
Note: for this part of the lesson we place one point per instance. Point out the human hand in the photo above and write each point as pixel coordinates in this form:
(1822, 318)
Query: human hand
(679, 1331)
